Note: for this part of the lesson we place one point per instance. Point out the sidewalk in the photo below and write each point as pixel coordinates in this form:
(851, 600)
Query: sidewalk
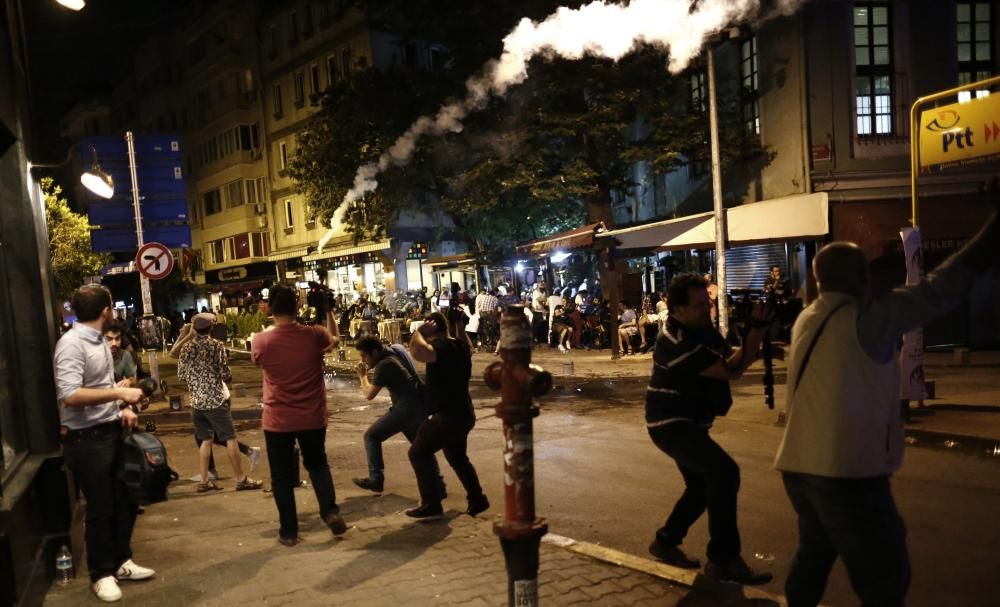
(966, 407)
(221, 549)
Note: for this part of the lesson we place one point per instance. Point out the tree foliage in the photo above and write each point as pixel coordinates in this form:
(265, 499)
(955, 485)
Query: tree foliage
(550, 155)
(70, 254)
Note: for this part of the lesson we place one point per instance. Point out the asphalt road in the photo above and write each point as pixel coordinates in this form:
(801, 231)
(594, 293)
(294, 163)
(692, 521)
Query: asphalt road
(600, 479)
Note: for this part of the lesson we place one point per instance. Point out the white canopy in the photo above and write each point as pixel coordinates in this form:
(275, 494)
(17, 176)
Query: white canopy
(799, 217)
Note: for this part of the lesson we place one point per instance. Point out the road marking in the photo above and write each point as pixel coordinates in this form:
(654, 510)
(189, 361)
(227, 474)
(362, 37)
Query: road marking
(684, 577)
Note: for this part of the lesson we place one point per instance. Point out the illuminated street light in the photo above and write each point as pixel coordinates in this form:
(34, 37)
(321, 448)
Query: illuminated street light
(73, 5)
(95, 180)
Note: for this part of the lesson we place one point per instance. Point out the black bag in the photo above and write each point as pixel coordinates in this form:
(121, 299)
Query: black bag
(144, 468)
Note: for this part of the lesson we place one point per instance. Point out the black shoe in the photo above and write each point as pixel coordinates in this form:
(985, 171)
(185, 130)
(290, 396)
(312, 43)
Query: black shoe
(737, 571)
(335, 522)
(673, 555)
(371, 484)
(478, 505)
(426, 511)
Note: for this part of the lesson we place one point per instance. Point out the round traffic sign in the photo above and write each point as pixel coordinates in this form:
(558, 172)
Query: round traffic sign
(154, 260)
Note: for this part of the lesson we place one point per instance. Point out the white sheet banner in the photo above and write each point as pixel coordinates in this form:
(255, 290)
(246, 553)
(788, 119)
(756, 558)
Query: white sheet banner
(911, 357)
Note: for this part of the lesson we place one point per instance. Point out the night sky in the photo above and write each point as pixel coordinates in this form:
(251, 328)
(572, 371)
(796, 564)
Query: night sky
(76, 56)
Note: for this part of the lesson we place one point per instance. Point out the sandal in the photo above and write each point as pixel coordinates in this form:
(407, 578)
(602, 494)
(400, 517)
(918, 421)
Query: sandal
(209, 486)
(248, 484)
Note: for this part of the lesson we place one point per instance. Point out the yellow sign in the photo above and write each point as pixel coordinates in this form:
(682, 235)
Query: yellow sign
(960, 133)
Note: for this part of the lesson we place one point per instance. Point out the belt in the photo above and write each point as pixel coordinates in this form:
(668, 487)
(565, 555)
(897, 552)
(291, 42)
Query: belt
(91, 432)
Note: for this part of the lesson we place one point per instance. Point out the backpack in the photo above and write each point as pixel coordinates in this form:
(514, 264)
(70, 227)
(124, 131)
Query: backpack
(144, 468)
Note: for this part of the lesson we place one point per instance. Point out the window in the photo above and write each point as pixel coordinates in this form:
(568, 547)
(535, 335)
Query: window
(289, 215)
(345, 62)
(240, 247)
(307, 21)
(293, 28)
(276, 100)
(216, 251)
(332, 69)
(212, 202)
(299, 88)
(314, 79)
(699, 92)
(247, 80)
(272, 47)
(260, 245)
(221, 84)
(324, 13)
(234, 194)
(750, 89)
(282, 156)
(873, 69)
(975, 45)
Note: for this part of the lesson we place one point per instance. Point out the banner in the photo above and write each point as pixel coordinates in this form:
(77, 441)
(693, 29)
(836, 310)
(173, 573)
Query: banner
(960, 133)
(911, 357)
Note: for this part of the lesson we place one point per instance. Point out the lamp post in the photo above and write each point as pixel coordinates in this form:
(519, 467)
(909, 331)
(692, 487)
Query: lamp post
(720, 213)
(95, 180)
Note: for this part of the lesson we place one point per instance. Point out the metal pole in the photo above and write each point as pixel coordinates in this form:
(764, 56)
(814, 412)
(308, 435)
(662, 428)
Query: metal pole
(147, 298)
(518, 380)
(720, 216)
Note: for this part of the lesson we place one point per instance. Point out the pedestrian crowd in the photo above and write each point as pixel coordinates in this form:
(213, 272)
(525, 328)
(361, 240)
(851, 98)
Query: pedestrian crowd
(842, 442)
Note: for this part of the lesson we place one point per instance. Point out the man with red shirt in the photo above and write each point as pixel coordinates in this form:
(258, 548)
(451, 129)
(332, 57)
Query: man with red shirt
(291, 356)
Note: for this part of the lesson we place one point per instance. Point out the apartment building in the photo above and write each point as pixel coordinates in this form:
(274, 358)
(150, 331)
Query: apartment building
(305, 46)
(828, 91)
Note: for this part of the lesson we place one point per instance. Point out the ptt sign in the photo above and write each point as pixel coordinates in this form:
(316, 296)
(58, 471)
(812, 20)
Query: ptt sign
(960, 133)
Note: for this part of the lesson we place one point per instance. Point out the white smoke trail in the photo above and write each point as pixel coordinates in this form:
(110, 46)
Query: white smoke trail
(597, 29)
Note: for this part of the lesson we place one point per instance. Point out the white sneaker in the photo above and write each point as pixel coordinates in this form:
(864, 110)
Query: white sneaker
(254, 457)
(107, 589)
(197, 477)
(130, 571)
(562, 348)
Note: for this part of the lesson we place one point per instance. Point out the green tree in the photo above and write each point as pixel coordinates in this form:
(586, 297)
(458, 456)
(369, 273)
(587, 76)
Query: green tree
(70, 255)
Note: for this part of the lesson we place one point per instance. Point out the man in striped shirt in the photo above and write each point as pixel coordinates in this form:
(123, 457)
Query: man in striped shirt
(689, 387)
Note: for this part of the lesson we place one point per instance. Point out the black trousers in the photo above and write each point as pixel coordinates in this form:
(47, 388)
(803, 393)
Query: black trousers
(857, 520)
(712, 481)
(285, 472)
(94, 459)
(450, 434)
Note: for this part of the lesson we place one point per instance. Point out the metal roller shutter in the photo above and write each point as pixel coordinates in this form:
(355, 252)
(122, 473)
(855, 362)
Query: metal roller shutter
(748, 267)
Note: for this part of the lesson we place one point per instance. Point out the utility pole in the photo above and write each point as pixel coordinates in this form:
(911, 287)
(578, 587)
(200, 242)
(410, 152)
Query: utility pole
(519, 381)
(720, 213)
(147, 298)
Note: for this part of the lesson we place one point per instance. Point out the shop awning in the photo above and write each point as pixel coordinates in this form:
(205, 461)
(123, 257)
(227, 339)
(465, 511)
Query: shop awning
(579, 238)
(291, 254)
(451, 261)
(800, 217)
(366, 247)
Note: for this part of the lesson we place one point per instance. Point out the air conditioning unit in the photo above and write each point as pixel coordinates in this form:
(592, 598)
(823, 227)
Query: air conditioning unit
(259, 208)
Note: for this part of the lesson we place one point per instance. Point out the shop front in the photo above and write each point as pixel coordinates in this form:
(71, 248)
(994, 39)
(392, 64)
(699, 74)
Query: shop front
(239, 289)
(351, 271)
(563, 260)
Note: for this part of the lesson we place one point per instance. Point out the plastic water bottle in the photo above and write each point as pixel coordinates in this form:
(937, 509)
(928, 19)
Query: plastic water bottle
(64, 566)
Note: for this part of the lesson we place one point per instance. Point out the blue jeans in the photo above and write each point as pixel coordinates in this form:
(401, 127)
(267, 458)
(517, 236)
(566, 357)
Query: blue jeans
(94, 457)
(857, 520)
(285, 470)
(394, 421)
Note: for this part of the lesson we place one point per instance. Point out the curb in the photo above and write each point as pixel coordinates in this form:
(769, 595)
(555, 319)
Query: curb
(684, 577)
(951, 441)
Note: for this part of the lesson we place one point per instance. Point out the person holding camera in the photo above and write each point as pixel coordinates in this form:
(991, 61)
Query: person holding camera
(94, 411)
(449, 367)
(689, 387)
(392, 369)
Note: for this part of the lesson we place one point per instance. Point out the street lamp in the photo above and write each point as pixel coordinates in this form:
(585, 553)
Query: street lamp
(95, 180)
(73, 5)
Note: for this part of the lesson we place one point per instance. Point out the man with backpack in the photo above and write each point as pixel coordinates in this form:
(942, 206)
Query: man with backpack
(94, 411)
(392, 369)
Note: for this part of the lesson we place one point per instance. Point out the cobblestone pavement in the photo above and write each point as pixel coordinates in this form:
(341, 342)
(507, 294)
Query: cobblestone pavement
(220, 549)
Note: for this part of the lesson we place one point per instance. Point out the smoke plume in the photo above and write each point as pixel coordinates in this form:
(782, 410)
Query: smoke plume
(598, 29)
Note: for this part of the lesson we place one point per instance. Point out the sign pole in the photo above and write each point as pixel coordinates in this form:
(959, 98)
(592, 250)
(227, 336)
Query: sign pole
(147, 298)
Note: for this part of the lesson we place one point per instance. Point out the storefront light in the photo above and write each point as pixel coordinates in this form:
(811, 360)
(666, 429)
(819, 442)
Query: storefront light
(519, 267)
(559, 256)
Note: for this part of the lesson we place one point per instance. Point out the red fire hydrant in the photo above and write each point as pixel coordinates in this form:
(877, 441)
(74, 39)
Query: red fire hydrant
(519, 381)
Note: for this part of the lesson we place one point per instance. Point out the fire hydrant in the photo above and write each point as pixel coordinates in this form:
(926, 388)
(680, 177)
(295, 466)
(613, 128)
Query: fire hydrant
(520, 530)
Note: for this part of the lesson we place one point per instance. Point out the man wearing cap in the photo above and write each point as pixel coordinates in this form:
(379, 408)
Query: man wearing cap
(204, 365)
